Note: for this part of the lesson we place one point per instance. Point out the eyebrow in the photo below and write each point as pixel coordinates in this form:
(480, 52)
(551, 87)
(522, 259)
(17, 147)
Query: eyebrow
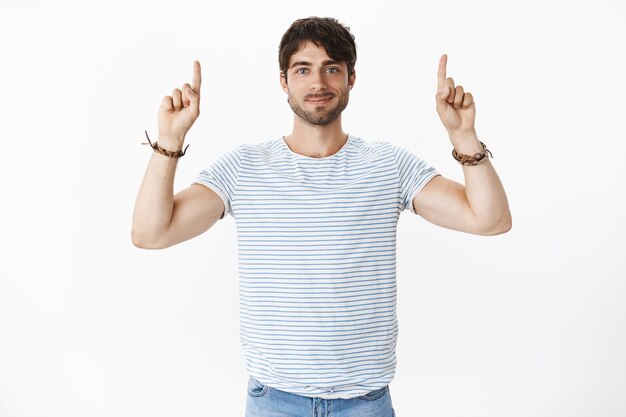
(308, 64)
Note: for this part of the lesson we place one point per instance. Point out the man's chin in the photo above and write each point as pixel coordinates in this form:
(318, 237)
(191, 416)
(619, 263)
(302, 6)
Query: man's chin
(319, 120)
(319, 123)
(320, 116)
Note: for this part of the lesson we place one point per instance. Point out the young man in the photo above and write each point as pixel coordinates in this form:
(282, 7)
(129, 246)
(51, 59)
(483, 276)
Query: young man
(316, 215)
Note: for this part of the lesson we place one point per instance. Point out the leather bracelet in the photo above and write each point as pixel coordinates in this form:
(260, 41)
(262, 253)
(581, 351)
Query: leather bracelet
(162, 151)
(472, 160)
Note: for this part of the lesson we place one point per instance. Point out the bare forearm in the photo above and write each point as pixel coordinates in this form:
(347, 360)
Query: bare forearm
(154, 206)
(485, 194)
(155, 200)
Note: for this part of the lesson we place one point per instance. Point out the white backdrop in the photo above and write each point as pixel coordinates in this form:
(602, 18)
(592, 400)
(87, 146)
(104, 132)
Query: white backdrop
(529, 323)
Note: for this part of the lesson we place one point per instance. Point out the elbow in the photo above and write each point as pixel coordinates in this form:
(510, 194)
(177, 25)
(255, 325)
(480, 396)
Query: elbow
(501, 229)
(503, 225)
(142, 241)
(138, 240)
(509, 224)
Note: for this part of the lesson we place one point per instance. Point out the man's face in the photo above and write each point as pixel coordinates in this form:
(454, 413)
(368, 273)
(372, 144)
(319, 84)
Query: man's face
(317, 87)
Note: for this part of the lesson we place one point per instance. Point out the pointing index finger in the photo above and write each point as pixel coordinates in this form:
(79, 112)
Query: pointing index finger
(441, 73)
(197, 77)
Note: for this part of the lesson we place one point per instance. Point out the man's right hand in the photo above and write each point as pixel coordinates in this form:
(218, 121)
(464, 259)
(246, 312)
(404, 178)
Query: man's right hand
(179, 111)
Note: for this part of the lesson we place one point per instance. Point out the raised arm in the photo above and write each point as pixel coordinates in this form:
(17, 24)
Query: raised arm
(479, 207)
(161, 219)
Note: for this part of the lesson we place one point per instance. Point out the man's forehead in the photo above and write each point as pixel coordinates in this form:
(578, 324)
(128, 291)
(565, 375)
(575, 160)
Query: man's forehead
(310, 52)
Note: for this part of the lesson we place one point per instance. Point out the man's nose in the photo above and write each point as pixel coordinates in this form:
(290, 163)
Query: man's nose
(318, 81)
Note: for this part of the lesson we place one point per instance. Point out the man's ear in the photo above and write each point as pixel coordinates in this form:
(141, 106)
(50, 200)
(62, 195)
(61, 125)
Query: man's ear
(351, 79)
(283, 81)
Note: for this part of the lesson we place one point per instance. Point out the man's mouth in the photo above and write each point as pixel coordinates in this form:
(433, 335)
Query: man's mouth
(319, 99)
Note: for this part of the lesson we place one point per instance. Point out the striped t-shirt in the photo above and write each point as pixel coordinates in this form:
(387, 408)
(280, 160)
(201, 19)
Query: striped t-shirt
(317, 260)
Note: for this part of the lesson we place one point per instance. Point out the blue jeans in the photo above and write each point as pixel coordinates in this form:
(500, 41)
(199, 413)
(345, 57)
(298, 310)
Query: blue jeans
(264, 401)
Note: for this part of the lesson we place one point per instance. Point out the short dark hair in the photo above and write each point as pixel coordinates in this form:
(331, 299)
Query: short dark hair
(323, 31)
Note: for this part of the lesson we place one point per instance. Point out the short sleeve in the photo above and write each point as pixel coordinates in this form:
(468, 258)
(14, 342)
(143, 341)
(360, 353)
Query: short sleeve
(414, 174)
(221, 177)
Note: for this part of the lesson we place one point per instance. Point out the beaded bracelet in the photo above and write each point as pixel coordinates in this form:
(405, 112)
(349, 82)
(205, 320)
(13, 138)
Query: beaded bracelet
(472, 159)
(162, 151)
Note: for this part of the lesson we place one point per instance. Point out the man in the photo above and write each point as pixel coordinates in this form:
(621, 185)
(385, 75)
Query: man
(316, 215)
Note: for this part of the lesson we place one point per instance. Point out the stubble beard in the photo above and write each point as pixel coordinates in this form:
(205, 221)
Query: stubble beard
(320, 117)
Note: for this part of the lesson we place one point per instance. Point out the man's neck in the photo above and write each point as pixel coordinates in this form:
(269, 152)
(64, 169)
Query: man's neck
(316, 141)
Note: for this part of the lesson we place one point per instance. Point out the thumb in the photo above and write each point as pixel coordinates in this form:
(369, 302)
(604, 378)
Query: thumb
(443, 93)
(440, 99)
(194, 99)
(192, 94)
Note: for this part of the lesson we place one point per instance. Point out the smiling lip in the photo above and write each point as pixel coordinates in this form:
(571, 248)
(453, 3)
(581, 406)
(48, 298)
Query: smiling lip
(319, 100)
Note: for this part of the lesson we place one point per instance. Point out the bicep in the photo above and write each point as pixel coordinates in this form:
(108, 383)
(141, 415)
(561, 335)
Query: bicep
(443, 202)
(196, 209)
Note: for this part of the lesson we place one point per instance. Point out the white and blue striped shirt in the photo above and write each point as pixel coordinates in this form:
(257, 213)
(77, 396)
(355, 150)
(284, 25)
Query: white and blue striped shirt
(317, 260)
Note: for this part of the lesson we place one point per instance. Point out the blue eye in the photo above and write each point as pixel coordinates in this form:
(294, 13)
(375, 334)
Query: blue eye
(301, 70)
(333, 70)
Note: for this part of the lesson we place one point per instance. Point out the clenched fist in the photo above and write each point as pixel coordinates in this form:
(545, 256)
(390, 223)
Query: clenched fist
(179, 111)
